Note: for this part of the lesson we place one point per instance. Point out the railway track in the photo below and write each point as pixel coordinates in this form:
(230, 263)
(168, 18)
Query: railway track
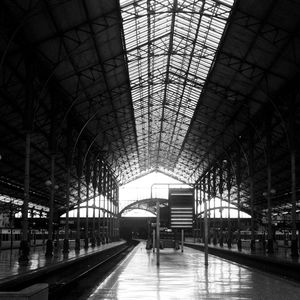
(79, 286)
(76, 279)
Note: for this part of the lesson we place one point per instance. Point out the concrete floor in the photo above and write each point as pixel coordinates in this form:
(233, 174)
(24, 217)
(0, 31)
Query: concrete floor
(10, 266)
(184, 276)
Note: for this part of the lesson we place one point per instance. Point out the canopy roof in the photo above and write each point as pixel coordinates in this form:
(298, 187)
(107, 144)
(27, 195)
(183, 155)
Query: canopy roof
(170, 86)
(170, 47)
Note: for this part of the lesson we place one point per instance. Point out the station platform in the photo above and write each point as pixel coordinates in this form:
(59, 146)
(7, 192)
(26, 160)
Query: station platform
(10, 268)
(280, 253)
(280, 262)
(184, 276)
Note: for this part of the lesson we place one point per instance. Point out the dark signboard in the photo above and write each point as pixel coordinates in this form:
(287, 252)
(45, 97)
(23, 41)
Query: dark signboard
(181, 204)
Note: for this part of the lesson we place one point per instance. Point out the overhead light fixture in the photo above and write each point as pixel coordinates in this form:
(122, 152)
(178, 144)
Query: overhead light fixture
(48, 182)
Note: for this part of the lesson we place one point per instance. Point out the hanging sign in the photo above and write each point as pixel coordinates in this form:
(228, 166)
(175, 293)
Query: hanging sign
(181, 204)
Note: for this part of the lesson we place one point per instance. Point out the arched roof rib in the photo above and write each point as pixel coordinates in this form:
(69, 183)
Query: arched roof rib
(171, 86)
(78, 58)
(257, 58)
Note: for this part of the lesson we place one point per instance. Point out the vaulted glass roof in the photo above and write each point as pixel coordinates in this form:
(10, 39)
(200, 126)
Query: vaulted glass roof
(170, 47)
(179, 87)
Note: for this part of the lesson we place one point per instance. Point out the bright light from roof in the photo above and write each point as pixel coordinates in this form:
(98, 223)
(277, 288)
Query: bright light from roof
(137, 213)
(221, 209)
(141, 188)
(170, 47)
(154, 183)
(159, 183)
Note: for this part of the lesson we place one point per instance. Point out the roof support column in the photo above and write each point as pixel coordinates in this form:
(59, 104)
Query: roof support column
(110, 208)
(100, 190)
(238, 183)
(229, 185)
(24, 247)
(200, 207)
(51, 184)
(104, 224)
(251, 188)
(99, 223)
(209, 199)
(205, 223)
(114, 221)
(104, 208)
(77, 240)
(106, 220)
(196, 214)
(95, 236)
(292, 134)
(214, 193)
(66, 245)
(28, 127)
(114, 213)
(221, 190)
(116, 205)
(106, 204)
(79, 170)
(270, 247)
(87, 180)
(118, 215)
(66, 239)
(112, 230)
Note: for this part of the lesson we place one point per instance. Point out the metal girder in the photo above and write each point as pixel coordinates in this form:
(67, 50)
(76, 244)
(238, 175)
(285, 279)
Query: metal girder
(174, 86)
(145, 204)
(170, 60)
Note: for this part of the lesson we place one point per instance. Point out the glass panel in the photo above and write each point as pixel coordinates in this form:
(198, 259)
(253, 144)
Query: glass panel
(170, 50)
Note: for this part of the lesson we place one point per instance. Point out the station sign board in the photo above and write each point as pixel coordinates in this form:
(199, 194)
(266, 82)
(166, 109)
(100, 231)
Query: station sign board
(181, 205)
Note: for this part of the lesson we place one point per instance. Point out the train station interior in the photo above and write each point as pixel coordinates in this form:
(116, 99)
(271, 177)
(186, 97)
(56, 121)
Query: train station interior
(149, 149)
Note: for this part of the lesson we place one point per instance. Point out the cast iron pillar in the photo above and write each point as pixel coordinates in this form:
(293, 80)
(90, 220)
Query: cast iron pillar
(24, 246)
(87, 180)
(229, 185)
(238, 183)
(221, 190)
(51, 184)
(292, 136)
(213, 194)
(66, 239)
(94, 184)
(251, 188)
(28, 122)
(270, 248)
(209, 200)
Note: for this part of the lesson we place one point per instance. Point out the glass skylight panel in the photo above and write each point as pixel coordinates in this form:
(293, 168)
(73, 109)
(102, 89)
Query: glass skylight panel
(169, 68)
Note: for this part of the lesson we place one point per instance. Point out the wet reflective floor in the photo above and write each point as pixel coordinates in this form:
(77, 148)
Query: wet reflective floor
(10, 266)
(184, 276)
(280, 253)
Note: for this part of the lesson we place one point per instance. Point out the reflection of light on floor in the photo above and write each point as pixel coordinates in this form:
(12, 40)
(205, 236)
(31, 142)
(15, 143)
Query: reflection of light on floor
(184, 276)
(9, 263)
